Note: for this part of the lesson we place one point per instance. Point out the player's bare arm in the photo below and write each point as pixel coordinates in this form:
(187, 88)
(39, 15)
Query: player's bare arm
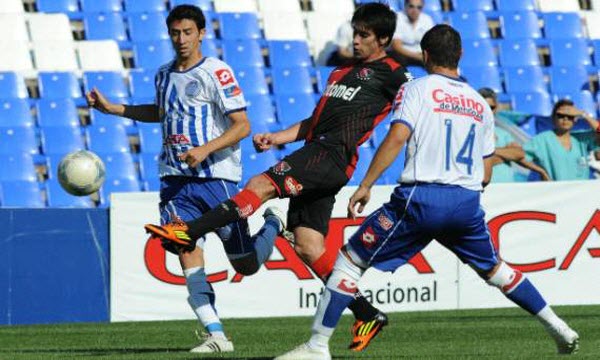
(144, 113)
(296, 132)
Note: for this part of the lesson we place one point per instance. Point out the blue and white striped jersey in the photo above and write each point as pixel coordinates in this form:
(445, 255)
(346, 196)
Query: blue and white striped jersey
(193, 108)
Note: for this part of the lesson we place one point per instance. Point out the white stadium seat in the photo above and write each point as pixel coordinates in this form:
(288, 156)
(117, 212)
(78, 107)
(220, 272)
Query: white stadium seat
(322, 31)
(279, 5)
(15, 56)
(55, 56)
(284, 26)
(236, 6)
(592, 20)
(338, 7)
(11, 6)
(103, 55)
(558, 5)
(49, 27)
(13, 28)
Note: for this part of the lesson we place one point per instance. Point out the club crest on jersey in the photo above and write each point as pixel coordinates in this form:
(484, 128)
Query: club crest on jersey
(292, 187)
(368, 238)
(385, 222)
(192, 89)
(232, 91)
(365, 74)
(281, 168)
(224, 76)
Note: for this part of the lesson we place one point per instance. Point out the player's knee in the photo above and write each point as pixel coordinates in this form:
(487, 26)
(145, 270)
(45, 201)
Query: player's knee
(245, 266)
(309, 253)
(504, 277)
(262, 187)
(345, 275)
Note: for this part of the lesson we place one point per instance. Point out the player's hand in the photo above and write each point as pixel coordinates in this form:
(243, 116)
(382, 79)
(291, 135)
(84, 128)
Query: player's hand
(193, 157)
(360, 197)
(96, 100)
(545, 176)
(263, 142)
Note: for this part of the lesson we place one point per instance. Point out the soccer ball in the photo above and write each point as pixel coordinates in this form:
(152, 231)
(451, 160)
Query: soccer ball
(81, 173)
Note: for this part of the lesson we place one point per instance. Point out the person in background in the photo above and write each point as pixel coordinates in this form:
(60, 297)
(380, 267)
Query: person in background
(411, 25)
(507, 149)
(562, 152)
(343, 43)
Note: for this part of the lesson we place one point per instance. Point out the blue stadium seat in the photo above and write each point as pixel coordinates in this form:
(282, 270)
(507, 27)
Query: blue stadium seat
(205, 5)
(436, 16)
(61, 140)
(416, 71)
(583, 100)
(520, 25)
(57, 6)
(252, 80)
(54, 85)
(147, 26)
(148, 166)
(236, 26)
(530, 125)
(482, 76)
(151, 141)
(288, 53)
(516, 5)
(393, 4)
(478, 53)
(562, 25)
(105, 26)
(19, 193)
(242, 53)
(293, 108)
(15, 140)
(470, 25)
(569, 52)
(524, 79)
(94, 6)
(209, 29)
(365, 154)
(288, 148)
(107, 139)
(430, 5)
(18, 166)
(152, 54)
(568, 79)
(518, 53)
(323, 73)
(210, 48)
(261, 113)
(110, 83)
(151, 184)
(596, 45)
(15, 113)
(141, 83)
(57, 112)
(292, 81)
(473, 5)
(57, 197)
(12, 86)
(106, 120)
(536, 103)
(112, 185)
(144, 5)
(119, 165)
(256, 163)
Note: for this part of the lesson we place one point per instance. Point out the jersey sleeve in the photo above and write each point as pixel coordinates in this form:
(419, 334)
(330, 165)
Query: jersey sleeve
(227, 93)
(489, 140)
(399, 77)
(406, 106)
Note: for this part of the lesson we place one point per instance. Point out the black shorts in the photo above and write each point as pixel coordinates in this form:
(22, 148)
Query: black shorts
(311, 177)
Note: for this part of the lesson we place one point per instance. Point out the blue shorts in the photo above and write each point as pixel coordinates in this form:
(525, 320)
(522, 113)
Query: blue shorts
(188, 198)
(417, 214)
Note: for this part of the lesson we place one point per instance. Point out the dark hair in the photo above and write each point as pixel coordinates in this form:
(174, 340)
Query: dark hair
(560, 103)
(487, 93)
(189, 12)
(378, 18)
(443, 45)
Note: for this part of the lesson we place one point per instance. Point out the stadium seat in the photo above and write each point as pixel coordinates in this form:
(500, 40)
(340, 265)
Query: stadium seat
(558, 5)
(482, 76)
(95, 6)
(49, 27)
(562, 25)
(524, 79)
(110, 83)
(284, 26)
(105, 26)
(60, 140)
(255, 163)
(345, 7)
(583, 100)
(365, 154)
(107, 139)
(15, 113)
(516, 5)
(15, 56)
(16, 140)
(416, 71)
(14, 25)
(12, 86)
(19, 166)
(147, 26)
(99, 119)
(473, 5)
(113, 185)
(57, 6)
(21, 194)
(242, 53)
(280, 5)
(291, 81)
(261, 113)
(520, 25)
(57, 112)
(205, 5)
(54, 85)
(99, 55)
(151, 141)
(596, 47)
(592, 22)
(144, 5)
(12, 6)
(568, 79)
(141, 83)
(210, 48)
(59, 198)
(537, 103)
(569, 52)
(152, 54)
(323, 73)
(234, 26)
(478, 53)
(518, 53)
(55, 56)
(470, 25)
(252, 80)
(238, 6)
(294, 108)
(119, 165)
(148, 165)
(289, 53)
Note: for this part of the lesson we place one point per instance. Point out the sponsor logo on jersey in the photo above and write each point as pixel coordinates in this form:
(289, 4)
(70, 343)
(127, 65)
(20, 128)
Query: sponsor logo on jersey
(232, 91)
(192, 89)
(224, 76)
(281, 168)
(341, 91)
(348, 286)
(365, 74)
(457, 104)
(385, 222)
(292, 187)
(368, 238)
(177, 139)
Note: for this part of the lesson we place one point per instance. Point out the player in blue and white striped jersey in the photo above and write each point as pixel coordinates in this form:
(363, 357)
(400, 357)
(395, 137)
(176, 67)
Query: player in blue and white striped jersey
(201, 110)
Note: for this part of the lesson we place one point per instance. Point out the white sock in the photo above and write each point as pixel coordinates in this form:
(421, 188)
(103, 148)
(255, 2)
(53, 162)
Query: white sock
(319, 341)
(547, 317)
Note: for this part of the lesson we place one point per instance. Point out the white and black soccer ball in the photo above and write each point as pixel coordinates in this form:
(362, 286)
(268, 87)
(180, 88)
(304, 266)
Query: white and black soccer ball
(81, 173)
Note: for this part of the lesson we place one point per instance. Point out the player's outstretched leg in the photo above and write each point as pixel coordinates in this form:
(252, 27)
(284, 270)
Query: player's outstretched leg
(521, 291)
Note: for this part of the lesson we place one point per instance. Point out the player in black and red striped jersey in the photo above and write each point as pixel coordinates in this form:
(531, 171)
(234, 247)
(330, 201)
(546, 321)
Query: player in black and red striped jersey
(358, 96)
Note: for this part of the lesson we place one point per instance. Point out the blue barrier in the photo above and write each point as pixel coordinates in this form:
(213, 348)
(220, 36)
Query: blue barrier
(54, 266)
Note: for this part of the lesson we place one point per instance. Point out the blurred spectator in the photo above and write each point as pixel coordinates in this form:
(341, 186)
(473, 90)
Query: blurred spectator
(411, 24)
(507, 148)
(561, 152)
(343, 42)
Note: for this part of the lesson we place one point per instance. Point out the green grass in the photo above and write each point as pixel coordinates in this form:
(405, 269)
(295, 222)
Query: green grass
(467, 334)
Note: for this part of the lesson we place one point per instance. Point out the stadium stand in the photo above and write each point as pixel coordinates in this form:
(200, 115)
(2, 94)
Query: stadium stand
(19, 193)
(12, 86)
(520, 25)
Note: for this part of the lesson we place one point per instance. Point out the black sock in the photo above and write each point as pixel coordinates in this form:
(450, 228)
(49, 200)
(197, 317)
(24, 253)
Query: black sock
(225, 213)
(362, 308)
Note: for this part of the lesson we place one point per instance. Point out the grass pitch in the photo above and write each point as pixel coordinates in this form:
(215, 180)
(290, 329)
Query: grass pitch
(466, 334)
